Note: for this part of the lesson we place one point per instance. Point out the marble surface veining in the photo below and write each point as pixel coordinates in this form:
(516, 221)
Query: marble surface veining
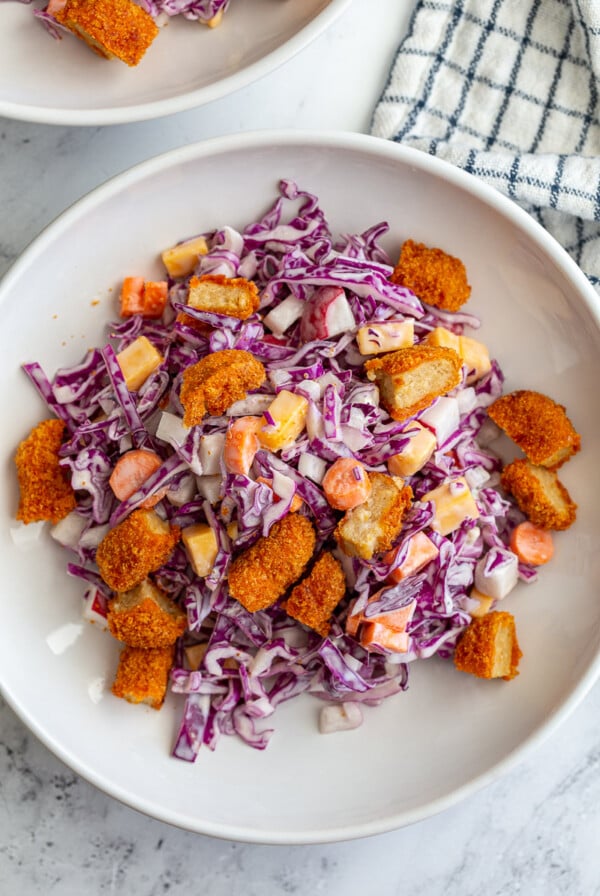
(534, 831)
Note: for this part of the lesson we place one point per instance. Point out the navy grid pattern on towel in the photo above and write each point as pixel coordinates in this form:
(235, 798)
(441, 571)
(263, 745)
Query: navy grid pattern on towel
(508, 90)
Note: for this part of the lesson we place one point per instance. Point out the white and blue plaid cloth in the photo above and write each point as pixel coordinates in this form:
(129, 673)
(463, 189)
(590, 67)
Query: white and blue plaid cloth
(510, 91)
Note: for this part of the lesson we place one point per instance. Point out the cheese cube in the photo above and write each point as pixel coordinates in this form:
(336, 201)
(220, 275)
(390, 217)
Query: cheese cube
(454, 503)
(475, 356)
(181, 260)
(287, 412)
(442, 336)
(484, 603)
(421, 551)
(388, 336)
(376, 635)
(138, 361)
(416, 454)
(201, 546)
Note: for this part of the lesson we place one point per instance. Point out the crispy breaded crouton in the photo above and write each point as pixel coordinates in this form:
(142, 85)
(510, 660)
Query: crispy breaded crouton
(213, 384)
(145, 617)
(489, 648)
(112, 28)
(45, 490)
(434, 276)
(233, 296)
(143, 675)
(314, 599)
(262, 573)
(411, 378)
(538, 425)
(137, 546)
(374, 525)
(540, 495)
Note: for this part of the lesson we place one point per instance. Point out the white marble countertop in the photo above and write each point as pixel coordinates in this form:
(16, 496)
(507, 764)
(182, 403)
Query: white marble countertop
(535, 831)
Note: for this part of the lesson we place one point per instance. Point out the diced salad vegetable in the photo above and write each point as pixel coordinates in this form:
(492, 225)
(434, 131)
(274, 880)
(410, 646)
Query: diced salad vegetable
(358, 540)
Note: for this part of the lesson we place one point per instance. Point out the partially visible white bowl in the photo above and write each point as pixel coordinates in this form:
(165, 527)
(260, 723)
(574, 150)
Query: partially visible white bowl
(188, 64)
(450, 733)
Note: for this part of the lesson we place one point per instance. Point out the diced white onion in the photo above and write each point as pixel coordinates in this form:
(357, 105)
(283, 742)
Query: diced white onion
(284, 315)
(312, 467)
(68, 531)
(171, 429)
(211, 452)
(340, 717)
(252, 405)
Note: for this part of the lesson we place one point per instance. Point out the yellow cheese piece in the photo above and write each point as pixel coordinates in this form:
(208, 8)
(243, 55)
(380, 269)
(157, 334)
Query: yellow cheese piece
(475, 356)
(181, 260)
(288, 412)
(416, 454)
(453, 503)
(485, 603)
(138, 361)
(387, 336)
(201, 545)
(442, 336)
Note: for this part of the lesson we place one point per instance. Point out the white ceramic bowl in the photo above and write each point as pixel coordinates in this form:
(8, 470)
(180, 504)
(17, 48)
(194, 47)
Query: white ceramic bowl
(450, 733)
(187, 65)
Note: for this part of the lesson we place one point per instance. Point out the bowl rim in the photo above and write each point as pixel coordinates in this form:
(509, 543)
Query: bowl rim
(383, 149)
(191, 99)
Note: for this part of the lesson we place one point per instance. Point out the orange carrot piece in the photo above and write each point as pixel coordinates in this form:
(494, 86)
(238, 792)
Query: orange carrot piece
(375, 634)
(346, 484)
(132, 296)
(241, 444)
(421, 551)
(131, 471)
(531, 544)
(155, 297)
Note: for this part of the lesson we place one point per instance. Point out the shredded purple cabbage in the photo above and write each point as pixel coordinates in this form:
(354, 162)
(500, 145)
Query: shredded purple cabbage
(253, 662)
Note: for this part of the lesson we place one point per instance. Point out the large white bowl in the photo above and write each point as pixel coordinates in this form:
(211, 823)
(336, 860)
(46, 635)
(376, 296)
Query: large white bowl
(187, 65)
(450, 733)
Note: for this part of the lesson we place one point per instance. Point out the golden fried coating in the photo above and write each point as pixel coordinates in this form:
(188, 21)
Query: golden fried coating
(45, 490)
(234, 296)
(538, 425)
(314, 599)
(540, 495)
(143, 675)
(145, 617)
(411, 378)
(213, 384)
(112, 28)
(489, 648)
(434, 276)
(140, 544)
(374, 525)
(262, 573)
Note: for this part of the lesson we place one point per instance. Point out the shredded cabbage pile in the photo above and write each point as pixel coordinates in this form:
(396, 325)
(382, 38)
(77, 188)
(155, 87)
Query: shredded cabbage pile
(288, 252)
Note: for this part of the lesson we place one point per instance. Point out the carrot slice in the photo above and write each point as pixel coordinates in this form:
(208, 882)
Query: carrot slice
(241, 444)
(346, 484)
(131, 471)
(531, 544)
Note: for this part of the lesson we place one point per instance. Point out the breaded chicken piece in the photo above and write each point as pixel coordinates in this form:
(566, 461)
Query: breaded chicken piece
(142, 543)
(145, 617)
(314, 599)
(540, 495)
(235, 296)
(264, 572)
(411, 378)
(45, 490)
(434, 276)
(374, 525)
(538, 425)
(112, 28)
(143, 675)
(213, 384)
(489, 648)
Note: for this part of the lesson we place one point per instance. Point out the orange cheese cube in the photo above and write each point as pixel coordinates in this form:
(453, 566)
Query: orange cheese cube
(454, 503)
(421, 551)
(201, 546)
(288, 413)
(137, 361)
(181, 260)
(416, 454)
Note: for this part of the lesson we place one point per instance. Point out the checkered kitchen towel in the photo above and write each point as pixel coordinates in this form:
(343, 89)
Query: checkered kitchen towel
(509, 90)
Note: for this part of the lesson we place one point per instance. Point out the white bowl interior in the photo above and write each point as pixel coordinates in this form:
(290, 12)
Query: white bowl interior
(187, 65)
(450, 733)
